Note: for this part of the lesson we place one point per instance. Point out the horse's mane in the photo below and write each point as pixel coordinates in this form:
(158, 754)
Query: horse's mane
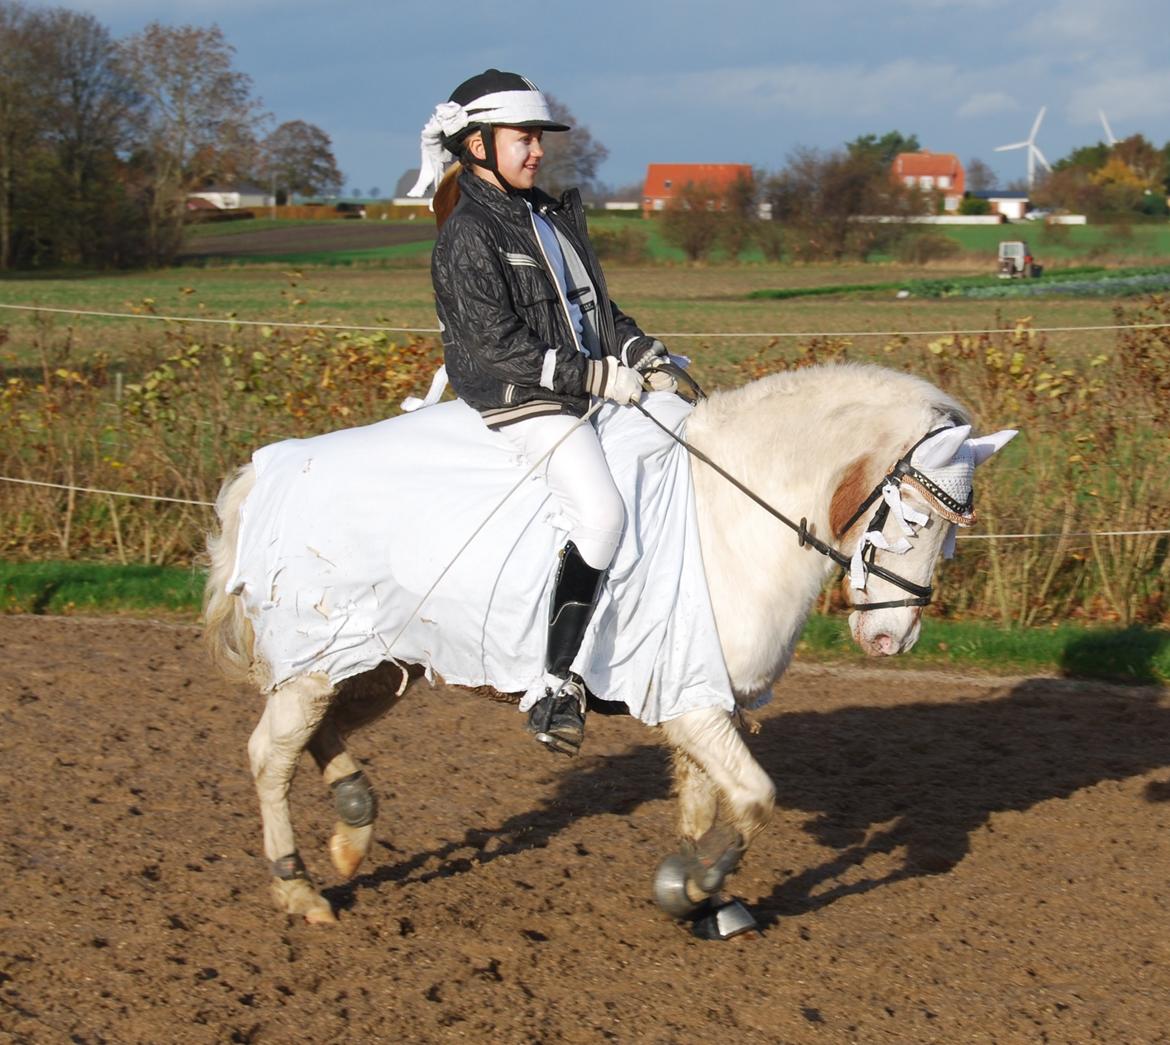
(846, 408)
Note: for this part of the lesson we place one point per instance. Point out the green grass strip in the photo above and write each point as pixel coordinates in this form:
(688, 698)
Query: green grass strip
(950, 286)
(1124, 654)
(73, 587)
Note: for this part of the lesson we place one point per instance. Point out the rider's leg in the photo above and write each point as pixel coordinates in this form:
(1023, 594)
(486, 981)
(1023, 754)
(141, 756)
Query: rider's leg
(558, 718)
(578, 477)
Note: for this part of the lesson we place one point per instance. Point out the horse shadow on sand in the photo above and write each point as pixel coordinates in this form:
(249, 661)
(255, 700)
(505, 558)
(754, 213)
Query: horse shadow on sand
(911, 784)
(588, 786)
(906, 784)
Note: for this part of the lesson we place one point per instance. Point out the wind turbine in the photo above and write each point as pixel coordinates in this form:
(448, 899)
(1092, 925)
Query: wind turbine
(1108, 130)
(1034, 153)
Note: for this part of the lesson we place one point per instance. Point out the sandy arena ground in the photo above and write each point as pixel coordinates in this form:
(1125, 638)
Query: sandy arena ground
(952, 860)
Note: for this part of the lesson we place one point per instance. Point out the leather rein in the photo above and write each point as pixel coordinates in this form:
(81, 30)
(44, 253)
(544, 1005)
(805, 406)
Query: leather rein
(918, 594)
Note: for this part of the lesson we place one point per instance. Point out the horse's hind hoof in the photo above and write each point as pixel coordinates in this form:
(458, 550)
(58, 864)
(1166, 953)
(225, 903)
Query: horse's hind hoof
(718, 920)
(348, 847)
(297, 896)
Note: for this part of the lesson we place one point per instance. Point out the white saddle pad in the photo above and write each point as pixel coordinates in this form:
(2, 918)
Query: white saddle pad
(344, 533)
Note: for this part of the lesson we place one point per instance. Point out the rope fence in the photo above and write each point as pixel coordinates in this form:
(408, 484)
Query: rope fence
(288, 324)
(109, 493)
(961, 536)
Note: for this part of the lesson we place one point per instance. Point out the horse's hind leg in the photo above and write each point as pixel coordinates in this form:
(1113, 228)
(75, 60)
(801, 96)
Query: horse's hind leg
(291, 716)
(359, 701)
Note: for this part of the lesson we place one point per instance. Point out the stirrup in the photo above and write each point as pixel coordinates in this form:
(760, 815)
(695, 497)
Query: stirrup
(558, 718)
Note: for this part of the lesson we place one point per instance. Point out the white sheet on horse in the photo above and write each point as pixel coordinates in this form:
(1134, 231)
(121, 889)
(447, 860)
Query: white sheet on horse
(344, 533)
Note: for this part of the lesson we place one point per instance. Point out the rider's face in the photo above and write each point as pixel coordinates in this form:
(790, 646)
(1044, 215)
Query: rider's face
(518, 155)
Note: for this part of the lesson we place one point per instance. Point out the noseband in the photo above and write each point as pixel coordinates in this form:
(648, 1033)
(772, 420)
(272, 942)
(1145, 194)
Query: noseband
(919, 594)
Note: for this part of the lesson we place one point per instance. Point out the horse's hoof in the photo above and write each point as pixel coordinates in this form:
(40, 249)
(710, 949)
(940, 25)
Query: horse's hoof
(348, 847)
(297, 896)
(670, 887)
(722, 920)
(321, 915)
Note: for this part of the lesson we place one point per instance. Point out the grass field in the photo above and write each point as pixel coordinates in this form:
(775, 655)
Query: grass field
(695, 309)
(1061, 244)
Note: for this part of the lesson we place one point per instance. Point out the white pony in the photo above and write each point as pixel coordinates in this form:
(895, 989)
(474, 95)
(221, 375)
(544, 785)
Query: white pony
(876, 464)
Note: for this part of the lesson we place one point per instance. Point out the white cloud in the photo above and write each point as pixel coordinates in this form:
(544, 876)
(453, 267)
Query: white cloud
(987, 103)
(1136, 98)
(1095, 26)
(801, 89)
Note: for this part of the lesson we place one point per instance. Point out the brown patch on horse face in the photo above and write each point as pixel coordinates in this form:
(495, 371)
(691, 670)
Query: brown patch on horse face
(854, 487)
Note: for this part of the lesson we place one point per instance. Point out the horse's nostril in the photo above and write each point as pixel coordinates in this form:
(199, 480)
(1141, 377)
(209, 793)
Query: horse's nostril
(884, 643)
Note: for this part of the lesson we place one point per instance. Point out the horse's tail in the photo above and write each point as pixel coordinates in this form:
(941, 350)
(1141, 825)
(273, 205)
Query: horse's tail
(227, 632)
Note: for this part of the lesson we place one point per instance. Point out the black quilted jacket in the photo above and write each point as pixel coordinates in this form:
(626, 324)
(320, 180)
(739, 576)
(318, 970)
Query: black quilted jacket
(501, 310)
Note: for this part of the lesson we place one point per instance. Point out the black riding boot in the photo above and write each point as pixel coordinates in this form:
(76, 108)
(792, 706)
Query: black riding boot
(558, 718)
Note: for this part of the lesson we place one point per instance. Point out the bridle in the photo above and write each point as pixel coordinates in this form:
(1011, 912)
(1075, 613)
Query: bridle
(903, 469)
(918, 594)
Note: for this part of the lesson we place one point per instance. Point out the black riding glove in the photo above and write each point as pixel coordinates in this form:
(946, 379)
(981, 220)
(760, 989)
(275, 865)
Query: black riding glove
(643, 353)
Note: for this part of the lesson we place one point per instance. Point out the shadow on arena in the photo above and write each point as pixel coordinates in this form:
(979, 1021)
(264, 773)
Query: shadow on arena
(918, 780)
(615, 785)
(910, 783)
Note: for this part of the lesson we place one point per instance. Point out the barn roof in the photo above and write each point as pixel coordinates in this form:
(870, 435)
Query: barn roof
(917, 164)
(717, 175)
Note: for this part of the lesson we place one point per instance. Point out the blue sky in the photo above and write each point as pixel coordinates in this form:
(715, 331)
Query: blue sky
(742, 81)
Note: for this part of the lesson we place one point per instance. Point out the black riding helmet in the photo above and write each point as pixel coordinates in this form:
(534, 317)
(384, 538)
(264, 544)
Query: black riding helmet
(497, 99)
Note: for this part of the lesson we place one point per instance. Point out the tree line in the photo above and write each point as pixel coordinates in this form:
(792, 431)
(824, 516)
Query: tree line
(810, 209)
(102, 139)
(806, 211)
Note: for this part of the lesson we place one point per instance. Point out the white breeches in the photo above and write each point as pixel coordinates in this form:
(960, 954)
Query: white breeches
(578, 477)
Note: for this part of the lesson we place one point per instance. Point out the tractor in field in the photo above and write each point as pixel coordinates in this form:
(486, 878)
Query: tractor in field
(1016, 261)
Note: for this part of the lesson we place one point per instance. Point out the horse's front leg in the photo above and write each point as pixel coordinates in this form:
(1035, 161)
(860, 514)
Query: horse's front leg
(359, 702)
(711, 763)
(291, 716)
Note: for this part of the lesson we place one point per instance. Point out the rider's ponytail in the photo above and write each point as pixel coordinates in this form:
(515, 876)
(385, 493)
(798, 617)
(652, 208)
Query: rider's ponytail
(446, 195)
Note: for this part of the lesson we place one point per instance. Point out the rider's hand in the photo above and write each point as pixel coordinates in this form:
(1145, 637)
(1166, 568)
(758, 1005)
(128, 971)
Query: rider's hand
(643, 353)
(608, 379)
(656, 380)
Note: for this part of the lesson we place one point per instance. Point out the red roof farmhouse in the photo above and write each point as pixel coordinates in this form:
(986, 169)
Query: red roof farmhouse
(932, 172)
(664, 180)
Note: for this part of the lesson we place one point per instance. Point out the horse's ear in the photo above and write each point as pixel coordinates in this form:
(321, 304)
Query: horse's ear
(856, 482)
(986, 445)
(940, 448)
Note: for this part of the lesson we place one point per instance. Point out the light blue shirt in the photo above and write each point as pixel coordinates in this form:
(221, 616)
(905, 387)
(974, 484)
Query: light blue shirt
(556, 257)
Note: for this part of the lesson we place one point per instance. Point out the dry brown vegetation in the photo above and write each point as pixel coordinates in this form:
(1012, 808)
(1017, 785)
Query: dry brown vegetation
(1089, 464)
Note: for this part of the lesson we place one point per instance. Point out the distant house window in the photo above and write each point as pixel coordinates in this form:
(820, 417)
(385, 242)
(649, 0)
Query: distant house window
(909, 180)
(944, 181)
(668, 183)
(926, 181)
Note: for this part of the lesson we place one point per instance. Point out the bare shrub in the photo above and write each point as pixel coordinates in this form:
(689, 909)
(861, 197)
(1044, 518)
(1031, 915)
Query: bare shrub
(201, 405)
(693, 221)
(629, 244)
(921, 247)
